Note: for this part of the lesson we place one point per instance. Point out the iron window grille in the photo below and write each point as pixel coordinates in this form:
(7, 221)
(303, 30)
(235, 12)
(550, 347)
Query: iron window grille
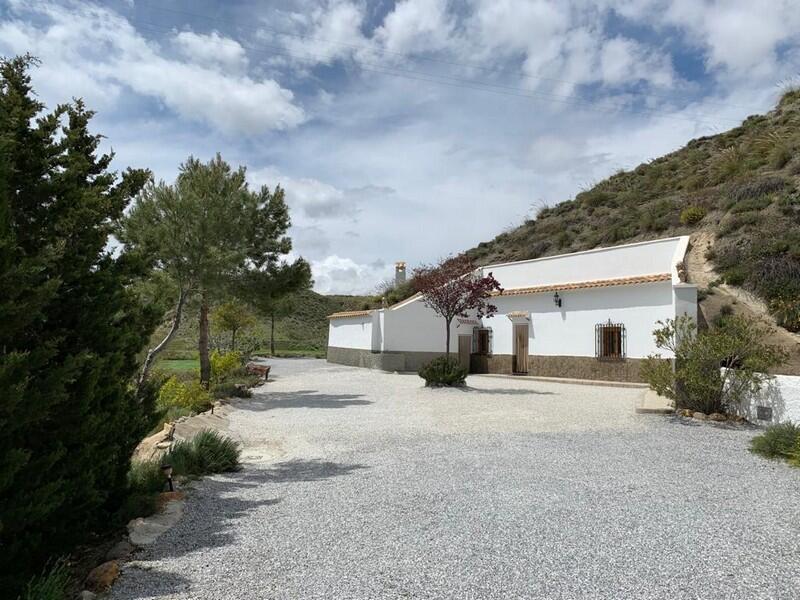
(610, 341)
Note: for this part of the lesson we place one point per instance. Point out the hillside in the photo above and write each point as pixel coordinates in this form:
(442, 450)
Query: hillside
(738, 188)
(305, 331)
(307, 326)
(737, 194)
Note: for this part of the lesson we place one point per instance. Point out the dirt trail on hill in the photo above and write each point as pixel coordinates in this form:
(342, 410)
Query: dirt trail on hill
(699, 270)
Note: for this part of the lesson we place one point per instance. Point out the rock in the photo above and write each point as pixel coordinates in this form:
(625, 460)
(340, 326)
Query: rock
(145, 531)
(120, 551)
(717, 417)
(686, 412)
(101, 578)
(166, 497)
(163, 445)
(87, 595)
(700, 416)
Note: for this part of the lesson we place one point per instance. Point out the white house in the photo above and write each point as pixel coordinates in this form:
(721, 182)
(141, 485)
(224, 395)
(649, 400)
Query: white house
(587, 315)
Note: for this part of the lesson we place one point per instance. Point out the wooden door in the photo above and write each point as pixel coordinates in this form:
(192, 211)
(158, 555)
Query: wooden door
(520, 348)
(464, 350)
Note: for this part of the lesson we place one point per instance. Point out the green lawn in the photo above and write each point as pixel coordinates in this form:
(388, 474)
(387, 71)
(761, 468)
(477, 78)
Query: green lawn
(191, 364)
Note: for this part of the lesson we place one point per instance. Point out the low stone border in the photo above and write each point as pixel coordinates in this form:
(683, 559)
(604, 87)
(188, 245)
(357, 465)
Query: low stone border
(142, 531)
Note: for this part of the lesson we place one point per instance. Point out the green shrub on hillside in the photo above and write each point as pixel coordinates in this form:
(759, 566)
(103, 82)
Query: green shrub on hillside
(778, 441)
(692, 215)
(787, 312)
(780, 156)
(441, 372)
(750, 204)
(756, 188)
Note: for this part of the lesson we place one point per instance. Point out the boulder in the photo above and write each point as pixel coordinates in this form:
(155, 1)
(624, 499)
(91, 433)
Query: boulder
(102, 577)
(717, 417)
(700, 416)
(120, 551)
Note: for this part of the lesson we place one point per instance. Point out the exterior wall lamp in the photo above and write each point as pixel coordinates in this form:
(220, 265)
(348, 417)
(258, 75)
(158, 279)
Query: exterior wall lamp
(557, 300)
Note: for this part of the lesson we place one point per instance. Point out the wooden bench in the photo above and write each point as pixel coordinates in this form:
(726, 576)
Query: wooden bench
(258, 369)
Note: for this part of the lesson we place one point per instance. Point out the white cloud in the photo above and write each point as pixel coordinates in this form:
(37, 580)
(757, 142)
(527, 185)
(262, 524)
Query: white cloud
(337, 275)
(739, 36)
(622, 60)
(214, 51)
(387, 168)
(102, 53)
(416, 26)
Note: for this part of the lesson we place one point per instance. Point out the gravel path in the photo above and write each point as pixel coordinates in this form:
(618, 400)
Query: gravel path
(362, 484)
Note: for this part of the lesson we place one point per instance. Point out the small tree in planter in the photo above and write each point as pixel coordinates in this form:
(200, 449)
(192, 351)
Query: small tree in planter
(452, 288)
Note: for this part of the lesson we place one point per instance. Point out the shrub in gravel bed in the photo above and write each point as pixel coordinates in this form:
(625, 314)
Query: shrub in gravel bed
(441, 372)
(207, 452)
(778, 441)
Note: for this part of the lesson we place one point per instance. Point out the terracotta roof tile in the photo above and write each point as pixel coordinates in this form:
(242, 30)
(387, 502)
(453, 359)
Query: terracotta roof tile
(581, 285)
(350, 313)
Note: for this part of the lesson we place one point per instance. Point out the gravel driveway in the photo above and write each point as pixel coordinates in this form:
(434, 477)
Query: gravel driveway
(363, 484)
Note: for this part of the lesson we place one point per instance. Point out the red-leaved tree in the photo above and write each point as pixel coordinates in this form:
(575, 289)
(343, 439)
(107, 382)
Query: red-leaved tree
(452, 287)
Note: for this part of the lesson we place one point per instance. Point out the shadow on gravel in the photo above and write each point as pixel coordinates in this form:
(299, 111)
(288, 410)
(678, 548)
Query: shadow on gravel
(302, 399)
(689, 422)
(503, 391)
(210, 511)
(301, 470)
(150, 583)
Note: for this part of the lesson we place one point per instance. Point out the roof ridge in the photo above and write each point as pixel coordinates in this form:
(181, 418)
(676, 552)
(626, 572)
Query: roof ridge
(593, 283)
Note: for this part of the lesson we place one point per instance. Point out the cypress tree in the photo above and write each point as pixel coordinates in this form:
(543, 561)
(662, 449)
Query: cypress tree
(70, 330)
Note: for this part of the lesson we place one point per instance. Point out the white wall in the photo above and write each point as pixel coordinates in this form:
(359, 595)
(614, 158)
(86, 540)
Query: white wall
(416, 328)
(569, 330)
(644, 258)
(782, 394)
(350, 332)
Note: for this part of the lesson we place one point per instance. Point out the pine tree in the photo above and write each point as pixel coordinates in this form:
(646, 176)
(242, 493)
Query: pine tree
(70, 330)
(210, 231)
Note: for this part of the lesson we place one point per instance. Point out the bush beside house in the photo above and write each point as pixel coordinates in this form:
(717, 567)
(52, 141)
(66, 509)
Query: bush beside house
(443, 371)
(715, 369)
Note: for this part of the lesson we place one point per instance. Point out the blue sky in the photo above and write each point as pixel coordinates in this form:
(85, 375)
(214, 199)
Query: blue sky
(407, 130)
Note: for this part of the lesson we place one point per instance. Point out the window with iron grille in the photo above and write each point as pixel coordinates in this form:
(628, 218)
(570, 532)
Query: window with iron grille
(482, 341)
(610, 341)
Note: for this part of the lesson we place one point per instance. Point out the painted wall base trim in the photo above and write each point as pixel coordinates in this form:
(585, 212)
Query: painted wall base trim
(574, 367)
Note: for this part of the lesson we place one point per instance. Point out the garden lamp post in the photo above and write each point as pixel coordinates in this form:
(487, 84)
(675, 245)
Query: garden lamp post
(167, 470)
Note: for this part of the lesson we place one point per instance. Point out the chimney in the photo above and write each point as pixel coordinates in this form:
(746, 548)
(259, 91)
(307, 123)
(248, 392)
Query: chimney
(399, 273)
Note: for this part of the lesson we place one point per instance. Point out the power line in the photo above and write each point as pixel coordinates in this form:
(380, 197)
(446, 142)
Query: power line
(450, 81)
(409, 57)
